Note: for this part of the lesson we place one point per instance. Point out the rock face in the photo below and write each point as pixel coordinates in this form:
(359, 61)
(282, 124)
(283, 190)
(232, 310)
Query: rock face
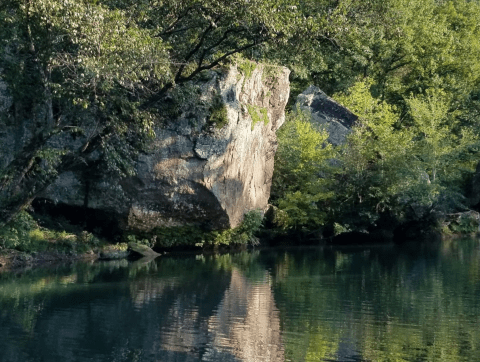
(210, 163)
(327, 113)
(198, 172)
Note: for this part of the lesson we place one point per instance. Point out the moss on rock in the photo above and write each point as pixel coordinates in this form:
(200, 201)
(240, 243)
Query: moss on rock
(258, 114)
(218, 113)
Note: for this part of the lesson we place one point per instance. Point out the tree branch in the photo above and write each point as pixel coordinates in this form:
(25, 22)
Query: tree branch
(218, 60)
(168, 30)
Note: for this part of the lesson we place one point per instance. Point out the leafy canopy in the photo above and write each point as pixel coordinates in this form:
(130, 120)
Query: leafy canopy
(74, 69)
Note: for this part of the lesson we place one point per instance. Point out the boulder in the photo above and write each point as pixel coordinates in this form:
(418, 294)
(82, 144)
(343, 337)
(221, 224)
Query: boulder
(142, 250)
(327, 113)
(113, 254)
(211, 160)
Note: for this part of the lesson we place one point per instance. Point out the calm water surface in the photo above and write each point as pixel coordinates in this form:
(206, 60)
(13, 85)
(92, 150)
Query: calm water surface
(406, 303)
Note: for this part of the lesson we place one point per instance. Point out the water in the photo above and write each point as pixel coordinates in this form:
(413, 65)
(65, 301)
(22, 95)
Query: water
(410, 303)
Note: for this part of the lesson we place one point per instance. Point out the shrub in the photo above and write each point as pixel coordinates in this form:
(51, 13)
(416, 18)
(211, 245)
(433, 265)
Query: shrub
(17, 232)
(301, 180)
(190, 235)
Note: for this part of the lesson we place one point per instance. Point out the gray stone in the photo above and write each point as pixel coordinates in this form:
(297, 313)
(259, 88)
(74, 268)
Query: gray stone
(193, 173)
(142, 250)
(327, 113)
(212, 177)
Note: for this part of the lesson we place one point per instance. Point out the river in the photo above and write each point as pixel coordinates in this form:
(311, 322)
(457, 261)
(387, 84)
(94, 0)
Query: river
(391, 303)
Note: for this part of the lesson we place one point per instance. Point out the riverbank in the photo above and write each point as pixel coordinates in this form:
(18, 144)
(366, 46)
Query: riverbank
(29, 242)
(11, 260)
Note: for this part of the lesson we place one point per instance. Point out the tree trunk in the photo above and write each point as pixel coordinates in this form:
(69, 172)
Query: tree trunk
(21, 183)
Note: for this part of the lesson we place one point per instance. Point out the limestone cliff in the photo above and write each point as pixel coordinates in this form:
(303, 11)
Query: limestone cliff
(199, 171)
(211, 160)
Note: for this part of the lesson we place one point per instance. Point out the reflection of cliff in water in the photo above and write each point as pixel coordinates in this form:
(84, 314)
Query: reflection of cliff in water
(244, 327)
(114, 318)
(182, 310)
(250, 319)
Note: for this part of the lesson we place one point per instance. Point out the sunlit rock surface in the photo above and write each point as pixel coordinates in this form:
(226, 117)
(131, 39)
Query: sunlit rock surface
(197, 171)
(327, 113)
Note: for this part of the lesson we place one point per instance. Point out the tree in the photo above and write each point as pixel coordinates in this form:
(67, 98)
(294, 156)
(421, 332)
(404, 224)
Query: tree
(375, 162)
(96, 71)
(301, 180)
(75, 70)
(405, 46)
(204, 34)
(397, 169)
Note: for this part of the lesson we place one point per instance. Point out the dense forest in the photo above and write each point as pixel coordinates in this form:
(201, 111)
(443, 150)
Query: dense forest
(409, 69)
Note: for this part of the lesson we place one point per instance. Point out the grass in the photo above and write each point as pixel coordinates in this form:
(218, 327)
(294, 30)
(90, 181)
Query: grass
(247, 67)
(270, 73)
(218, 113)
(24, 234)
(257, 114)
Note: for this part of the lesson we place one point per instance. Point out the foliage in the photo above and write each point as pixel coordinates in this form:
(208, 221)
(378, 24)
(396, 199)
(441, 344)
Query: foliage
(406, 46)
(74, 69)
(408, 172)
(258, 114)
(242, 234)
(191, 235)
(24, 234)
(133, 239)
(218, 113)
(91, 78)
(301, 179)
(463, 222)
(17, 231)
(375, 162)
(174, 236)
(204, 34)
(402, 169)
(94, 72)
(247, 67)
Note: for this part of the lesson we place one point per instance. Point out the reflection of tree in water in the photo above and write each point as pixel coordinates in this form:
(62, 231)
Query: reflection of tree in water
(396, 304)
(103, 318)
(410, 303)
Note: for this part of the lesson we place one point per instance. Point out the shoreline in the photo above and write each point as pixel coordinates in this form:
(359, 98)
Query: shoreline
(12, 260)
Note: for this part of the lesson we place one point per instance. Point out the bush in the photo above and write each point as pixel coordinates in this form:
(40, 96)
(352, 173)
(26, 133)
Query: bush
(24, 234)
(17, 232)
(190, 235)
(464, 223)
(242, 234)
(302, 178)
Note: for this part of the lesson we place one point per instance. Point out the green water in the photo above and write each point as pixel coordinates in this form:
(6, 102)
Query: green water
(409, 303)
